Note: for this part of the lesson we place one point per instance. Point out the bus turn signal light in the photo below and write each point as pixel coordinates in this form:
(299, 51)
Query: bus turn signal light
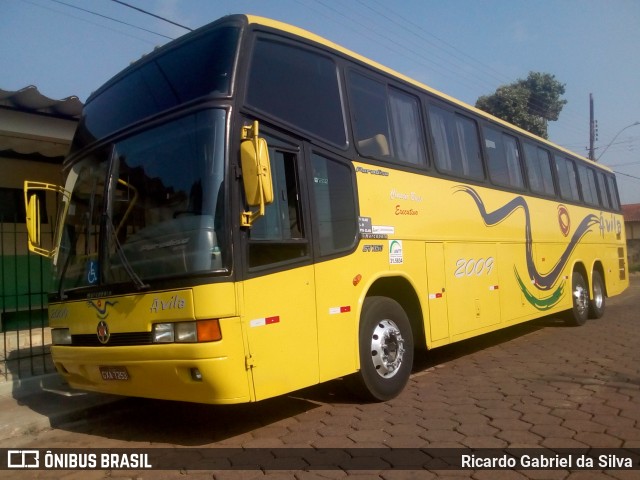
(209, 330)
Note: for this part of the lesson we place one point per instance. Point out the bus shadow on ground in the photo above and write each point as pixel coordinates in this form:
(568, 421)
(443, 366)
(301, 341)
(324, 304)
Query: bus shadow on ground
(163, 423)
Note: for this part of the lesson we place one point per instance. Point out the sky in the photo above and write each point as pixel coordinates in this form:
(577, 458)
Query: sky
(464, 48)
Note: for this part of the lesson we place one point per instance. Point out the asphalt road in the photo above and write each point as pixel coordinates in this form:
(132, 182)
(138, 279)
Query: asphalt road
(538, 385)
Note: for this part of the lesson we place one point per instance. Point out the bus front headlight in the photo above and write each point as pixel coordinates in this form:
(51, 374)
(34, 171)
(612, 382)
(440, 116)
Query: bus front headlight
(187, 332)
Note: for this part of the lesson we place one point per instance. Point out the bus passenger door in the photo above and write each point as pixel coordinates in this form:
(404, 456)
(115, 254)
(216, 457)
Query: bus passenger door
(279, 310)
(436, 281)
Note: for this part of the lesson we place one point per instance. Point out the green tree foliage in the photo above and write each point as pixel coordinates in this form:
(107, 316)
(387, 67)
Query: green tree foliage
(528, 103)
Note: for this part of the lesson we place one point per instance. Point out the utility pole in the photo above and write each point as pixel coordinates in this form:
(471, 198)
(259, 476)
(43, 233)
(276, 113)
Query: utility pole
(593, 129)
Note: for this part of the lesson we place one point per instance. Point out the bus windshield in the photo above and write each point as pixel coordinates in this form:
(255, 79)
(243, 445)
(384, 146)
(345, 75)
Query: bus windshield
(194, 69)
(148, 206)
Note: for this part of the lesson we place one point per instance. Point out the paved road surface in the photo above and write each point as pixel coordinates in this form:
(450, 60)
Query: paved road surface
(536, 385)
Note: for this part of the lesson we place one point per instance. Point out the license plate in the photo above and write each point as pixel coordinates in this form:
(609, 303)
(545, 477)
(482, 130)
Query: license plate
(112, 373)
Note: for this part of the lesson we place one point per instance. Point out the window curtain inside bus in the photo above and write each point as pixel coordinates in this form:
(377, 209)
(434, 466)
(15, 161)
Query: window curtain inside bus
(513, 161)
(469, 148)
(407, 126)
(439, 131)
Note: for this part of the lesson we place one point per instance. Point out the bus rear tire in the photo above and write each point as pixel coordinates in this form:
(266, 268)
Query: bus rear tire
(598, 296)
(385, 349)
(580, 297)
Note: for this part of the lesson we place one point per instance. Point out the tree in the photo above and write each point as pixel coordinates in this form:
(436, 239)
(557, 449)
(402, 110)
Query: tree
(528, 103)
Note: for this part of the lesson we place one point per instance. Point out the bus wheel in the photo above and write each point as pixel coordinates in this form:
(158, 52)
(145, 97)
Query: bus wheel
(580, 296)
(597, 303)
(386, 350)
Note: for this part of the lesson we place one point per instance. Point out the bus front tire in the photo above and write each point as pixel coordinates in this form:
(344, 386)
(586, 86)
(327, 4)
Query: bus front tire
(385, 349)
(597, 303)
(580, 300)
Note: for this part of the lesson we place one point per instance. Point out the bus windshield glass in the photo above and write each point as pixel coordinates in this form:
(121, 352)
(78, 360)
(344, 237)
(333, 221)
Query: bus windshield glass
(194, 69)
(148, 206)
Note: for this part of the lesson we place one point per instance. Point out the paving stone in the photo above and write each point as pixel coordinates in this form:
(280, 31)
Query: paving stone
(520, 437)
(442, 436)
(573, 414)
(510, 424)
(614, 421)
(553, 431)
(598, 440)
(584, 426)
(404, 430)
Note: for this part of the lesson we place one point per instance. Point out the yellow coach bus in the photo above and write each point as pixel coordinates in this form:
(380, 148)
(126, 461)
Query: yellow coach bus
(251, 209)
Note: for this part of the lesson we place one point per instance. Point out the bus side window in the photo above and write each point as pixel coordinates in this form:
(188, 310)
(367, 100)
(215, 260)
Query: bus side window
(455, 144)
(335, 206)
(604, 195)
(406, 121)
(279, 235)
(503, 159)
(567, 179)
(387, 121)
(371, 123)
(613, 192)
(538, 166)
(298, 86)
(588, 185)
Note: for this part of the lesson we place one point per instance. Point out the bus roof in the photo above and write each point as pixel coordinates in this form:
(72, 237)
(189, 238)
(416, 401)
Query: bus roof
(292, 30)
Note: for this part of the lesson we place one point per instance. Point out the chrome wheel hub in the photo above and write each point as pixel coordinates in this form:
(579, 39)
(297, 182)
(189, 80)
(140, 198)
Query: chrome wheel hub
(581, 299)
(387, 348)
(598, 296)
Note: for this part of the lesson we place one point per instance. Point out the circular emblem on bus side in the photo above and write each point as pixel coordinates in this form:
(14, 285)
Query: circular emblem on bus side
(103, 332)
(564, 220)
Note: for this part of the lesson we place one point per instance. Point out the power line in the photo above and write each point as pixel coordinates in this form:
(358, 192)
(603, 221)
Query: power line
(110, 18)
(153, 15)
(85, 20)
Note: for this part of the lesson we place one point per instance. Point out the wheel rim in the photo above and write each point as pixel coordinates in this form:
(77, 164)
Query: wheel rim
(387, 348)
(598, 295)
(580, 299)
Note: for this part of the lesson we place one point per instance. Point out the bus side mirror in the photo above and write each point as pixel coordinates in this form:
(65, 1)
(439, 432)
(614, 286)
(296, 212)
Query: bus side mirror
(256, 173)
(33, 220)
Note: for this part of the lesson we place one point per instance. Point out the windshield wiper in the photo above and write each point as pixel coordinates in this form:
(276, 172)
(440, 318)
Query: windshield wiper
(137, 281)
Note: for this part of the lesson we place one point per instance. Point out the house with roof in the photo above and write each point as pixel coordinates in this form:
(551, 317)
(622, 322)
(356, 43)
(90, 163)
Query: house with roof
(631, 215)
(35, 136)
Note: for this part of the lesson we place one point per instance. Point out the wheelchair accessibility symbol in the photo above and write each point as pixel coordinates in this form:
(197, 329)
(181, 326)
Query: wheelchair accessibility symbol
(92, 272)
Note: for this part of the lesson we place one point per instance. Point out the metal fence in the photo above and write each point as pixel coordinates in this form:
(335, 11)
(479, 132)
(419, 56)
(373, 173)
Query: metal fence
(25, 279)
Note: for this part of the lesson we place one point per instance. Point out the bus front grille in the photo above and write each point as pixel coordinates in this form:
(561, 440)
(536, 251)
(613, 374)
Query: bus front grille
(115, 340)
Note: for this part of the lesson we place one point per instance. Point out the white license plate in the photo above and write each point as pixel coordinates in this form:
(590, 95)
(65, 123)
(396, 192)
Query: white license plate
(113, 373)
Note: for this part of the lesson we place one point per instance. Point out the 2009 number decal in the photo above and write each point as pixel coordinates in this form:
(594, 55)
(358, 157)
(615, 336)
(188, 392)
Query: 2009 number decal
(470, 267)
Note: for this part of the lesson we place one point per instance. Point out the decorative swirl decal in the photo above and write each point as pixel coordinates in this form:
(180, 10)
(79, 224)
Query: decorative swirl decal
(546, 281)
(102, 311)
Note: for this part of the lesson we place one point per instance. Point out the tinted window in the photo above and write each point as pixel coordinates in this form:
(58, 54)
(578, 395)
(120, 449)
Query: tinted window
(387, 121)
(197, 68)
(299, 87)
(538, 163)
(408, 142)
(605, 199)
(279, 235)
(371, 120)
(567, 179)
(335, 207)
(613, 192)
(503, 158)
(455, 143)
(588, 185)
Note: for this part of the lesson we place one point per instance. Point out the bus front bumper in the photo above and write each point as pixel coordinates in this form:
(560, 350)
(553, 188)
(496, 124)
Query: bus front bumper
(183, 372)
